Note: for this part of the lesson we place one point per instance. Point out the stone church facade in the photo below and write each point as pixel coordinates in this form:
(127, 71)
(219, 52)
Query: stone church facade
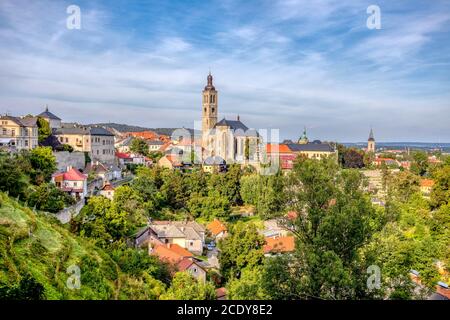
(230, 140)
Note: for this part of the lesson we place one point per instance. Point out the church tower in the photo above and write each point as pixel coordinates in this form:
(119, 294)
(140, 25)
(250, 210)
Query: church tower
(371, 142)
(209, 108)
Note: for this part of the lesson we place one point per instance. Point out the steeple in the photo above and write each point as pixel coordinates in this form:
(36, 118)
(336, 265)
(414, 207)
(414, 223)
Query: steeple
(303, 139)
(209, 85)
(46, 108)
(371, 138)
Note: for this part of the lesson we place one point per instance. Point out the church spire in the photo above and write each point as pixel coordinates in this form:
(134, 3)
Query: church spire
(209, 85)
(371, 138)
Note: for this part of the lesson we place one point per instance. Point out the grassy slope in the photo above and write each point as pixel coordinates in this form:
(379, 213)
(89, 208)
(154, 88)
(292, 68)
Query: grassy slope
(39, 245)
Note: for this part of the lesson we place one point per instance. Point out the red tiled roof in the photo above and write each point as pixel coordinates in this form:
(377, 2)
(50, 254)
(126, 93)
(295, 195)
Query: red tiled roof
(185, 263)
(281, 244)
(71, 175)
(172, 253)
(282, 148)
(216, 227)
(292, 215)
(108, 187)
(123, 155)
(426, 183)
(221, 292)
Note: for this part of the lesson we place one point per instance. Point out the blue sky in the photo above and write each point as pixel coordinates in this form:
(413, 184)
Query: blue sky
(278, 64)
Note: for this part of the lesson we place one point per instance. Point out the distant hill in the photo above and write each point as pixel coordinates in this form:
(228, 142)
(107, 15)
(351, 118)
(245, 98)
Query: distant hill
(129, 128)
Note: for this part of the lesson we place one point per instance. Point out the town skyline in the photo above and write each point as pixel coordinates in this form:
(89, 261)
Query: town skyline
(327, 72)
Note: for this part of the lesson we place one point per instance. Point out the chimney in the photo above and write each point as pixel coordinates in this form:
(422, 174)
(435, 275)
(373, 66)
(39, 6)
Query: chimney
(69, 167)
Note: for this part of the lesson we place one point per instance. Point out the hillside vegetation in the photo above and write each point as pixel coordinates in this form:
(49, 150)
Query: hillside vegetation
(36, 246)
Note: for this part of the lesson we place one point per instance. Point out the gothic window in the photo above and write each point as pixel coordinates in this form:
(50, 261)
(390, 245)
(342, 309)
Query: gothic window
(212, 110)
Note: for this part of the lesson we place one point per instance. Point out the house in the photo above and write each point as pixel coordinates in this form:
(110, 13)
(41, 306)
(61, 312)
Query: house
(107, 191)
(53, 121)
(426, 185)
(193, 267)
(18, 133)
(154, 145)
(171, 253)
(279, 245)
(217, 229)
(187, 234)
(123, 145)
(96, 141)
(103, 171)
(214, 164)
(72, 181)
(285, 155)
(132, 158)
(387, 161)
(272, 229)
(170, 161)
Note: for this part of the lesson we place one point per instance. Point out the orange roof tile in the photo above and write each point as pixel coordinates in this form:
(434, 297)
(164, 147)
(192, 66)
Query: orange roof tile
(426, 183)
(216, 227)
(282, 148)
(281, 244)
(71, 175)
(172, 253)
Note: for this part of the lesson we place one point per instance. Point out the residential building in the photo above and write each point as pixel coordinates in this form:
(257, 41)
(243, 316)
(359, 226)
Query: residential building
(187, 234)
(217, 229)
(97, 141)
(71, 181)
(279, 245)
(106, 172)
(107, 191)
(171, 253)
(18, 133)
(53, 121)
(170, 161)
(214, 164)
(123, 145)
(154, 145)
(193, 267)
(426, 185)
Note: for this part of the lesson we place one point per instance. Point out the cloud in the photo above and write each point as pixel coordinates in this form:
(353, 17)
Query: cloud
(288, 65)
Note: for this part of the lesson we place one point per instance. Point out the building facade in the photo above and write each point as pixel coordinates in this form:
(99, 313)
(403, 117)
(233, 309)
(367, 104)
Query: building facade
(231, 140)
(97, 141)
(18, 133)
(53, 121)
(371, 142)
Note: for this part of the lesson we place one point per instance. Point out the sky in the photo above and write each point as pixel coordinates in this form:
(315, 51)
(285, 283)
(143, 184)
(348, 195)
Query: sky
(278, 64)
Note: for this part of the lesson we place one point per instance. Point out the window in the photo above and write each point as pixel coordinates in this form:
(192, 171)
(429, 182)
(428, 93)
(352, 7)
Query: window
(212, 110)
(26, 143)
(67, 140)
(75, 184)
(13, 132)
(4, 131)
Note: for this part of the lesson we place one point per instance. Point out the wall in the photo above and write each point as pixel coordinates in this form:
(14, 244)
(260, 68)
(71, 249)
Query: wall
(66, 158)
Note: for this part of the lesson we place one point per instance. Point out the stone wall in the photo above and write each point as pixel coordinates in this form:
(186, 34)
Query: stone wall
(66, 158)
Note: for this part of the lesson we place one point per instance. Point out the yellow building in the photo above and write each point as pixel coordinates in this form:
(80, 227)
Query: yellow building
(18, 133)
(97, 141)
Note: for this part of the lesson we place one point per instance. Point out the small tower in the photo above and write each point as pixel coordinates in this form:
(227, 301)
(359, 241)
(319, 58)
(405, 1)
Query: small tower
(209, 112)
(303, 139)
(371, 142)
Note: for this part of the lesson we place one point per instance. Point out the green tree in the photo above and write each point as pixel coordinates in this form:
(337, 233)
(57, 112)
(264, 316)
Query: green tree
(47, 197)
(139, 146)
(12, 178)
(242, 248)
(440, 194)
(27, 289)
(249, 286)
(337, 220)
(185, 287)
(420, 163)
(43, 164)
(44, 130)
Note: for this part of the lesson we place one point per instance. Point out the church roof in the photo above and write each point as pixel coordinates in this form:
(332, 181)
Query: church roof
(319, 147)
(47, 114)
(233, 124)
(214, 160)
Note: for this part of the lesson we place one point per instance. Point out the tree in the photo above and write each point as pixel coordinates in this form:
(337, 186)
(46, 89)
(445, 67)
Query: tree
(353, 159)
(139, 146)
(242, 248)
(12, 178)
(43, 164)
(44, 130)
(336, 219)
(404, 185)
(420, 163)
(49, 198)
(185, 287)
(440, 194)
(27, 289)
(249, 286)
(210, 206)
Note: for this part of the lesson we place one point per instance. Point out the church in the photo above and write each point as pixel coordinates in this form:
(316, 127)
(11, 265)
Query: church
(230, 140)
